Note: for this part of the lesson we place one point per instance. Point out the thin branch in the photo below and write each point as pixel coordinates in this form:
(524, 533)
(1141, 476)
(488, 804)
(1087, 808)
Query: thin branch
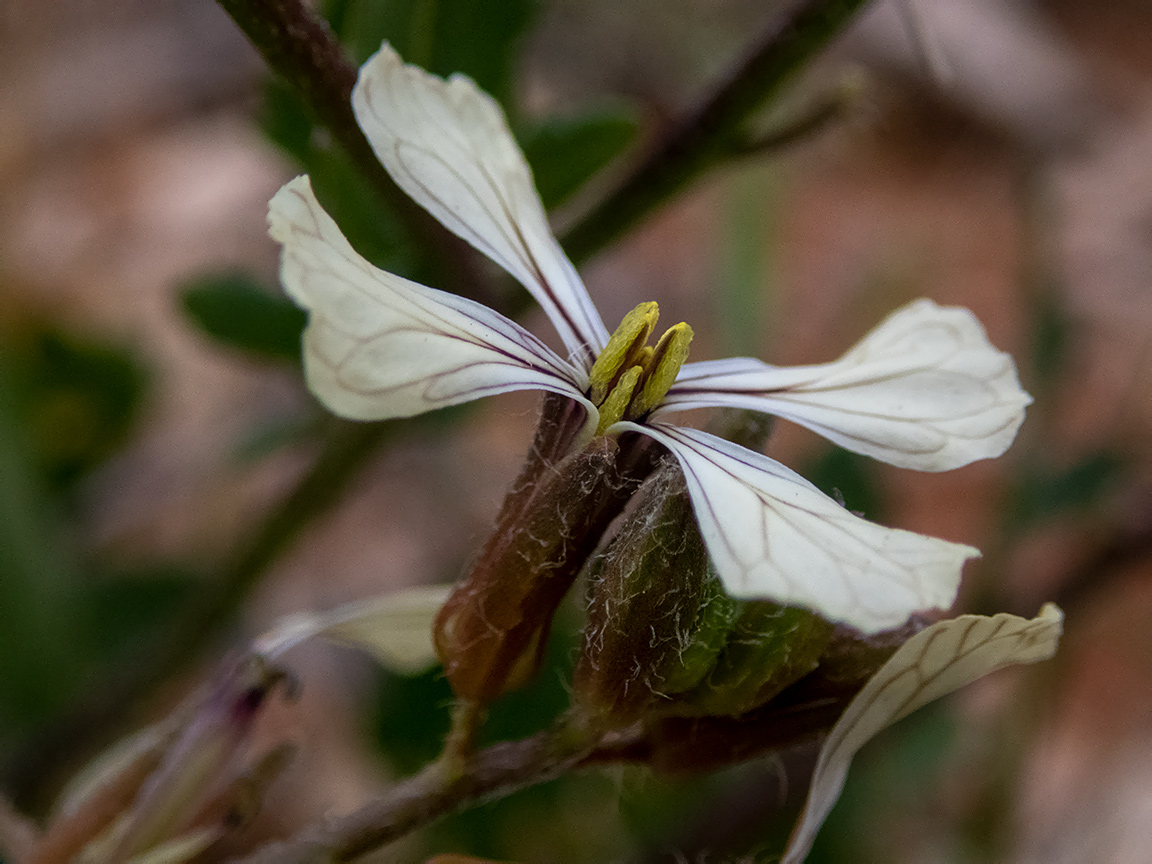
(299, 46)
(700, 139)
(825, 110)
(432, 794)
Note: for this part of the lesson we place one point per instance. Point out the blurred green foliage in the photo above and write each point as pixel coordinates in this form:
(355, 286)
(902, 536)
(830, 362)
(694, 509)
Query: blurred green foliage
(236, 311)
(888, 778)
(75, 397)
(443, 36)
(849, 478)
(40, 592)
(1046, 492)
(566, 152)
(67, 403)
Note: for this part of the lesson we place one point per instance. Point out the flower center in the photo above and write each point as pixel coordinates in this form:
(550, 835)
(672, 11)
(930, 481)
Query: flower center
(631, 377)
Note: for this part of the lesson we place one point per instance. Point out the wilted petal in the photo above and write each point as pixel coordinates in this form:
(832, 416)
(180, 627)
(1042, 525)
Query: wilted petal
(446, 143)
(934, 662)
(182, 849)
(773, 535)
(394, 628)
(380, 346)
(923, 390)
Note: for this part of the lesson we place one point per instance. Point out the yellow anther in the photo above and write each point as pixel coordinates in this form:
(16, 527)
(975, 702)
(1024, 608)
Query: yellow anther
(612, 409)
(622, 349)
(667, 358)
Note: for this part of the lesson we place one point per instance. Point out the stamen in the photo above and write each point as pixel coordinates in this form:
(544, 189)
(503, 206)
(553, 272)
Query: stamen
(663, 367)
(622, 350)
(612, 409)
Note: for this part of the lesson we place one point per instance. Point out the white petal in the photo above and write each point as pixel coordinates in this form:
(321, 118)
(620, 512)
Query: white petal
(380, 346)
(773, 535)
(934, 662)
(447, 145)
(394, 628)
(923, 390)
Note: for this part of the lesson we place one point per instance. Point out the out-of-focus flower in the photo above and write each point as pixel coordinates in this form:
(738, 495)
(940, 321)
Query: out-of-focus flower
(923, 390)
(173, 790)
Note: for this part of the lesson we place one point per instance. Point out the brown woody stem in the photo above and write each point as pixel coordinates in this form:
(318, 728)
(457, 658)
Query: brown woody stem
(433, 793)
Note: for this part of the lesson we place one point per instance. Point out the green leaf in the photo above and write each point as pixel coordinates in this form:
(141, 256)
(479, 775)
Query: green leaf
(847, 477)
(236, 311)
(363, 217)
(1046, 493)
(411, 718)
(285, 121)
(532, 708)
(565, 153)
(411, 713)
(122, 610)
(77, 399)
(444, 36)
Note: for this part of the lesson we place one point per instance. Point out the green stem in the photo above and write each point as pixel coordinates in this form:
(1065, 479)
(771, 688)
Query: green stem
(826, 109)
(467, 717)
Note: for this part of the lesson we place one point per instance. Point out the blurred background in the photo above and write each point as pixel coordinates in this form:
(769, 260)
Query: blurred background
(996, 155)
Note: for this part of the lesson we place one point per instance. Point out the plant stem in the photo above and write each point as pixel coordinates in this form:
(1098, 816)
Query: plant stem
(703, 136)
(433, 793)
(467, 717)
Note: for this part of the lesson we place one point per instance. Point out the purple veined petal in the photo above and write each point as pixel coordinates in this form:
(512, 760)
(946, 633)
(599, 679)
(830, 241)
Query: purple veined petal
(772, 535)
(446, 143)
(923, 390)
(944, 657)
(380, 346)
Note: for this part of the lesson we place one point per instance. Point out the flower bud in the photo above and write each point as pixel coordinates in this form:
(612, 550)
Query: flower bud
(204, 755)
(491, 632)
(650, 620)
(803, 712)
(769, 647)
(663, 638)
(172, 790)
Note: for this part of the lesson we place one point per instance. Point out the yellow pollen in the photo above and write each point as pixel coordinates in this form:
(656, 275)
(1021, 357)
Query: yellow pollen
(622, 350)
(631, 378)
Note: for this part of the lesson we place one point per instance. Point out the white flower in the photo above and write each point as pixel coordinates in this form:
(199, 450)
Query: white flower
(924, 390)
